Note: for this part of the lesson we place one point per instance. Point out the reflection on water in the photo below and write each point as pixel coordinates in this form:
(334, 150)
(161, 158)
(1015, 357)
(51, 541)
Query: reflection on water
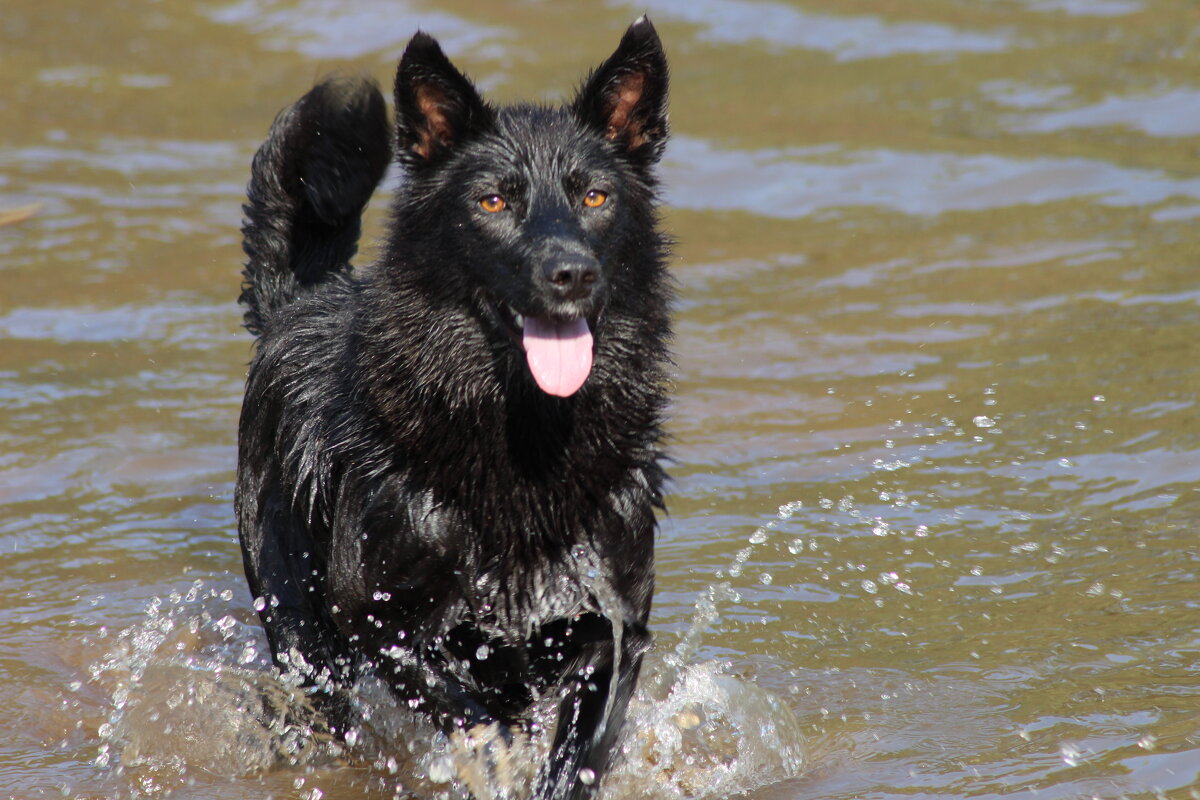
(935, 430)
(1174, 113)
(845, 37)
(1098, 8)
(781, 183)
(347, 30)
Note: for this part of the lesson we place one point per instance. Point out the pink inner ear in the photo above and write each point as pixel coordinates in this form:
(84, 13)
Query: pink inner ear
(627, 95)
(436, 131)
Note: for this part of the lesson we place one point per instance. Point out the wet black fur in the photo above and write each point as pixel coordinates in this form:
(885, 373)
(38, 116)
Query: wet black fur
(406, 493)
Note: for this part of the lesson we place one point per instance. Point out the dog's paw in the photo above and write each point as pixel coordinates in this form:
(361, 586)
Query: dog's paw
(494, 761)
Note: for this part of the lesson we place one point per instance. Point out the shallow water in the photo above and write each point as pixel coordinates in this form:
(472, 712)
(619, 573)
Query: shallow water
(936, 434)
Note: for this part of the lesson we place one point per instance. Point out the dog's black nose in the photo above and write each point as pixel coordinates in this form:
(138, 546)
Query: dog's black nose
(572, 276)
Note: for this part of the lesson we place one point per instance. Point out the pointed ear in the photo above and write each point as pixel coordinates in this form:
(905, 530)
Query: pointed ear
(436, 105)
(625, 98)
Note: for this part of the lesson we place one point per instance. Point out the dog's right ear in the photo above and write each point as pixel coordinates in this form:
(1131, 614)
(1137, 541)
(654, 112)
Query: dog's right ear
(625, 98)
(436, 105)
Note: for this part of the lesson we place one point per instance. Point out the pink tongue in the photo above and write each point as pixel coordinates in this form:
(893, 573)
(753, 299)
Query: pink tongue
(559, 354)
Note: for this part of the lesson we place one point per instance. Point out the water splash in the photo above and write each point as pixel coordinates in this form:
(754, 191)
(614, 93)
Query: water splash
(194, 699)
(708, 603)
(191, 693)
(712, 735)
(695, 731)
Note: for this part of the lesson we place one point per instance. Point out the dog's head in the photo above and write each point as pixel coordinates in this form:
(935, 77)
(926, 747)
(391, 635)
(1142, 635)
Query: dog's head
(545, 212)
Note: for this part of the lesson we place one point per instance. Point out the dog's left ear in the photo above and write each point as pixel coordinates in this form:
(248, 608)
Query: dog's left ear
(436, 105)
(625, 98)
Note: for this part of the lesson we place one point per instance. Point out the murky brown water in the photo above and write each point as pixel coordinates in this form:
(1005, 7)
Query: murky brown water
(936, 429)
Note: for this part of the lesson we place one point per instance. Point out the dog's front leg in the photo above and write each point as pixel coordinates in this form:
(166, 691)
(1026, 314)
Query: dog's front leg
(591, 714)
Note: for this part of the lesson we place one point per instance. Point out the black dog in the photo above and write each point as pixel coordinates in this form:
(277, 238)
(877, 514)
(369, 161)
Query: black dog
(449, 462)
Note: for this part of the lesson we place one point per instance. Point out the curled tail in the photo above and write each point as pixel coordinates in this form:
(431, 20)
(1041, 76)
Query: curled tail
(309, 183)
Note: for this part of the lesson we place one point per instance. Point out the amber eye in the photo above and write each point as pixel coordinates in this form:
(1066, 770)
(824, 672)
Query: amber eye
(595, 198)
(493, 204)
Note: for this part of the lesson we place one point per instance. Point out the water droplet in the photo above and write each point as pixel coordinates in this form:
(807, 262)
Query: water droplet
(225, 625)
(482, 652)
(441, 771)
(788, 509)
(260, 603)
(983, 421)
(765, 579)
(869, 586)
(759, 536)
(587, 776)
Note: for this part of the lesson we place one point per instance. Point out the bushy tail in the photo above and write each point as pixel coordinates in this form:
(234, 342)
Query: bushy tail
(309, 183)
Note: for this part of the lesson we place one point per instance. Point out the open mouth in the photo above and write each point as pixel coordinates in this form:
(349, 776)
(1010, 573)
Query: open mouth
(557, 351)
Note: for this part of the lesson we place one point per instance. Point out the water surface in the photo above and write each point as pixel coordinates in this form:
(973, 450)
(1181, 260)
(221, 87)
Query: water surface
(936, 441)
